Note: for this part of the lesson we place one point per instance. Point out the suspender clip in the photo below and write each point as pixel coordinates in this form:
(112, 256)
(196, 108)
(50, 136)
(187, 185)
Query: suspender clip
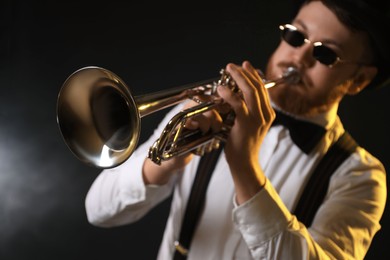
(181, 249)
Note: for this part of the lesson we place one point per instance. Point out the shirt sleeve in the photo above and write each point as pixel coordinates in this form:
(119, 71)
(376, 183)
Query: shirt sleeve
(119, 195)
(343, 227)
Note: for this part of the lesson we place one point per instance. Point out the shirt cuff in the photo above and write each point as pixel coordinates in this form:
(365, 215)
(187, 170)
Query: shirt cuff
(131, 184)
(262, 217)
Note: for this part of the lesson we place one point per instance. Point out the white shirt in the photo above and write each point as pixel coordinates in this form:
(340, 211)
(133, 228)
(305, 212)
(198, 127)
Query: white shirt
(263, 227)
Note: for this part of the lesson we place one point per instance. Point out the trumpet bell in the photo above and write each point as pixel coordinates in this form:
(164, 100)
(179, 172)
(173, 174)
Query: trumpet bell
(98, 117)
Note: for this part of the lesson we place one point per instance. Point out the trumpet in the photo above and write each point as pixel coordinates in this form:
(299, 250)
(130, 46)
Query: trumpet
(100, 119)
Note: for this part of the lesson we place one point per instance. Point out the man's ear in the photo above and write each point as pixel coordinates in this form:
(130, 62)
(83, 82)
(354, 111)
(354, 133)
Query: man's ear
(364, 76)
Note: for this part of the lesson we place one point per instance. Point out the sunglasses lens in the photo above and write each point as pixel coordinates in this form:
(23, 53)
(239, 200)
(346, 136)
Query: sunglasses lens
(325, 55)
(293, 37)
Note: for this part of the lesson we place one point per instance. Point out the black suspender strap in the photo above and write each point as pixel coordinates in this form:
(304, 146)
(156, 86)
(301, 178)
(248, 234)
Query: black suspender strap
(311, 198)
(317, 186)
(195, 202)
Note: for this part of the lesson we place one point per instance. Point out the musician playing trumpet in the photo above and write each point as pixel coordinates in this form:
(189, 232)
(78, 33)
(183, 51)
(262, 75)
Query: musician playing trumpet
(252, 207)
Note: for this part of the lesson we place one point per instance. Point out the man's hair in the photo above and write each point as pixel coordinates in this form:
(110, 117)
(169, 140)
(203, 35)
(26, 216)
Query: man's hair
(373, 18)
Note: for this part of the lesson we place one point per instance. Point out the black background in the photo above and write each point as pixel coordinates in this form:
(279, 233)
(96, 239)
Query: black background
(151, 46)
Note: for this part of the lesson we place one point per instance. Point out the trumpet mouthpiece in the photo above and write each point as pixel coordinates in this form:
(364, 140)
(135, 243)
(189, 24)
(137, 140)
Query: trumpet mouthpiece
(289, 76)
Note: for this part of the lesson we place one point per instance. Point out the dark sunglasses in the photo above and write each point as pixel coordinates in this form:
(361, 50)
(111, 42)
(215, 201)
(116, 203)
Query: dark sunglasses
(321, 52)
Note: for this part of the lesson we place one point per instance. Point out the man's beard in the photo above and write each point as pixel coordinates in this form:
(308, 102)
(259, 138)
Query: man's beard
(298, 99)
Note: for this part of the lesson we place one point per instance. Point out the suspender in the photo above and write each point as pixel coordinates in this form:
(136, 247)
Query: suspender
(196, 201)
(308, 204)
(316, 188)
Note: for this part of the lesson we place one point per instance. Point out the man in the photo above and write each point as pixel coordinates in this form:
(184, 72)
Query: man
(261, 175)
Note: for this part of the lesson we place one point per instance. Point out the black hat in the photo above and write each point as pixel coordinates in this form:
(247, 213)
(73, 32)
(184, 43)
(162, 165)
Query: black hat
(374, 17)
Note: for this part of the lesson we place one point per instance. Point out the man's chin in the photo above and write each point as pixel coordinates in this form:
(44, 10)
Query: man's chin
(289, 101)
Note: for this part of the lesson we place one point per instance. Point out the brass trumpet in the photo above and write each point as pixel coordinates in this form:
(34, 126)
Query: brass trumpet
(100, 119)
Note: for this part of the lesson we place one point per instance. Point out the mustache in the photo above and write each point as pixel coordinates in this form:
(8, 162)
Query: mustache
(304, 79)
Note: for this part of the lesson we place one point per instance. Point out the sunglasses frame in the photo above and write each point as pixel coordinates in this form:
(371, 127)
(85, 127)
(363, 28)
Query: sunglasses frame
(292, 28)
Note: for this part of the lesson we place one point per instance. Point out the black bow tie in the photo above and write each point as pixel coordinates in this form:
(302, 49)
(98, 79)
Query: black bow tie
(305, 135)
